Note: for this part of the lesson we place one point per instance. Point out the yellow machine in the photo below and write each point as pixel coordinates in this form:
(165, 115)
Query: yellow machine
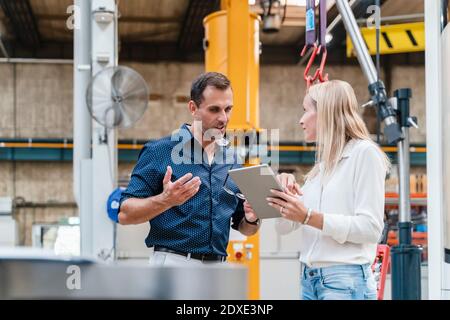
(232, 48)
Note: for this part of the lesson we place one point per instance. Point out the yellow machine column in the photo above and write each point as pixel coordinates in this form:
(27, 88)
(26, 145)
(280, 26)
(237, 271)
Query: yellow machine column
(232, 48)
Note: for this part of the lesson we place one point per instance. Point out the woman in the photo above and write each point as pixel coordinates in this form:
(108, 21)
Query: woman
(340, 213)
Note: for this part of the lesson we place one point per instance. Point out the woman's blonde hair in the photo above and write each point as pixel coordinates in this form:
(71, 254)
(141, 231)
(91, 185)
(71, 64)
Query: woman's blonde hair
(338, 122)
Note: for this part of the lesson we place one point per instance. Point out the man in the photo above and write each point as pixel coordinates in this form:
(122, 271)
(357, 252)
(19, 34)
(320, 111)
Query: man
(179, 186)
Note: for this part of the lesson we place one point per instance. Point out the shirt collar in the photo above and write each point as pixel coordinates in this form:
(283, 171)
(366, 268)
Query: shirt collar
(187, 135)
(187, 127)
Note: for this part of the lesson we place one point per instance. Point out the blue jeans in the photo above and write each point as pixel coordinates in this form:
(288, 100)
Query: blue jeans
(340, 282)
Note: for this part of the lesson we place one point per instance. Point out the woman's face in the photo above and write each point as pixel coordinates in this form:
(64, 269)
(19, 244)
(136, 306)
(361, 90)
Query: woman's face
(309, 119)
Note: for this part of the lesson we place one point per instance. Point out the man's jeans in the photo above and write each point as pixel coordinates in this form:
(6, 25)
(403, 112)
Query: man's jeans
(340, 282)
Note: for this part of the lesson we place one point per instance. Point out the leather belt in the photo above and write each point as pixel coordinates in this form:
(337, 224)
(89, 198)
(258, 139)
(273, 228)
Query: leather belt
(198, 256)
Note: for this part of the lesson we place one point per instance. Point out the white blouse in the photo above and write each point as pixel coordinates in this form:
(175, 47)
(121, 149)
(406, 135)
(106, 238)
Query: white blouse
(352, 203)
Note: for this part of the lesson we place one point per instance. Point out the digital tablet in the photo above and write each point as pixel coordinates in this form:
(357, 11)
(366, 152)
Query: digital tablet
(255, 183)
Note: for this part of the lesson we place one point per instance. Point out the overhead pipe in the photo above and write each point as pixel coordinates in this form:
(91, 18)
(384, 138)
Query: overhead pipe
(35, 61)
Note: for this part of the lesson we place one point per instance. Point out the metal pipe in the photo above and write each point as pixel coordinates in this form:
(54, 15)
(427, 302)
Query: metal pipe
(392, 130)
(46, 205)
(362, 54)
(35, 61)
(444, 14)
(338, 19)
(404, 196)
(81, 78)
(403, 17)
(104, 142)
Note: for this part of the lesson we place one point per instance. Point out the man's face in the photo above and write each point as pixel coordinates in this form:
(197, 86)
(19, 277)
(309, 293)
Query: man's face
(215, 109)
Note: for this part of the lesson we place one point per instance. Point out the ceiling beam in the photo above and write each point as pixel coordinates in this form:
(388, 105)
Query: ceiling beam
(192, 31)
(142, 36)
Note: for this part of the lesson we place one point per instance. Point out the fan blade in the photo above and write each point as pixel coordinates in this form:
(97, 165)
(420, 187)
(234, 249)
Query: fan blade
(116, 83)
(113, 115)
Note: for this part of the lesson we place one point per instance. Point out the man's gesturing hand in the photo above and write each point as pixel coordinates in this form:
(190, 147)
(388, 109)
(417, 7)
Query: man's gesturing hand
(178, 192)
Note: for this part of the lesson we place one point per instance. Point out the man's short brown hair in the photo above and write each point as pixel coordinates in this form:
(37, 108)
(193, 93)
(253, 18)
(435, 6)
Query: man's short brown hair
(215, 79)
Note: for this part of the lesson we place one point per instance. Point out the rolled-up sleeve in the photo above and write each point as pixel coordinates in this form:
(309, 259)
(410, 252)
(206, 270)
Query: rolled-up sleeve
(145, 180)
(366, 223)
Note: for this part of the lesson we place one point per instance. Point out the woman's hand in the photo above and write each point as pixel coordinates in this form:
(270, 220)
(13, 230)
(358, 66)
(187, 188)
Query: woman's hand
(289, 205)
(289, 183)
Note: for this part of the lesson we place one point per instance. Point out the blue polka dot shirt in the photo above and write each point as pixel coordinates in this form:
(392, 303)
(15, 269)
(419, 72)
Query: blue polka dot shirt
(202, 223)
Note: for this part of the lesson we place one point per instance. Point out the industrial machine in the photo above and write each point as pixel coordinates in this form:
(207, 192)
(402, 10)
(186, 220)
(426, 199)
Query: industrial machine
(34, 274)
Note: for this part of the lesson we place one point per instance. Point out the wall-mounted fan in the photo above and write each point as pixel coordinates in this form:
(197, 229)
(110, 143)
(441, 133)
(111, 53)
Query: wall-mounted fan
(117, 97)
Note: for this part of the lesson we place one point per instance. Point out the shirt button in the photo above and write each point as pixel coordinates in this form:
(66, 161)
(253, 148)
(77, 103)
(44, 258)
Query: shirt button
(311, 273)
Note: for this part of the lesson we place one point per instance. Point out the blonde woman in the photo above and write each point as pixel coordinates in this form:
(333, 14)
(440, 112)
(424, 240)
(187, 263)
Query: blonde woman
(340, 208)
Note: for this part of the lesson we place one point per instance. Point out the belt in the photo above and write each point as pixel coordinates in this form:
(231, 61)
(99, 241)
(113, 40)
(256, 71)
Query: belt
(198, 256)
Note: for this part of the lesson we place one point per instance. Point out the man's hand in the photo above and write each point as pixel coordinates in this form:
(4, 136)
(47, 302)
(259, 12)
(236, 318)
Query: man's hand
(249, 229)
(289, 183)
(250, 215)
(178, 192)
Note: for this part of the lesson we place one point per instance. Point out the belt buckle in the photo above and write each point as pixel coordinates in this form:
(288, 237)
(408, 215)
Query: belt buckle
(208, 258)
